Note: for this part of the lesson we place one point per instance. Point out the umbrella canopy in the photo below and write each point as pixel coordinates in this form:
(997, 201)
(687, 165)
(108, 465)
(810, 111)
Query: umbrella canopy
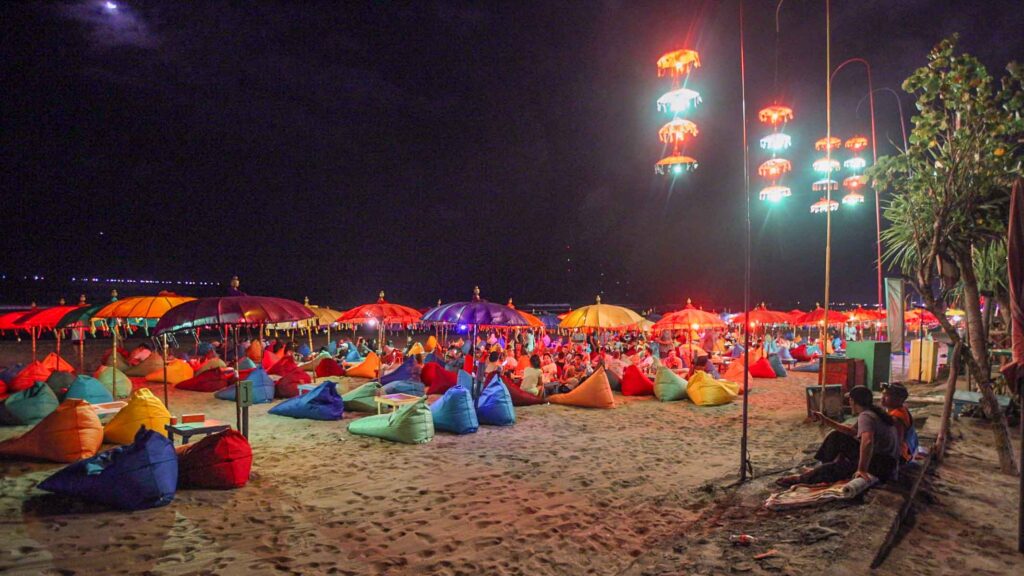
(79, 317)
(7, 319)
(149, 307)
(534, 321)
(382, 312)
(45, 318)
(817, 316)
(762, 315)
(476, 312)
(688, 318)
(322, 316)
(231, 310)
(860, 314)
(920, 316)
(603, 316)
(550, 320)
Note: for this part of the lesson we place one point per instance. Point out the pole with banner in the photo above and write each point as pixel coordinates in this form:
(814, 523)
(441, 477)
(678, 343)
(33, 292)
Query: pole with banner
(894, 308)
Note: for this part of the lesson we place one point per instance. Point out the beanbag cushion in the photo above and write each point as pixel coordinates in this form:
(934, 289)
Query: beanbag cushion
(8, 374)
(89, 389)
(55, 362)
(785, 356)
(68, 434)
(669, 386)
(152, 363)
(737, 351)
(365, 369)
(776, 364)
(141, 475)
(209, 381)
(262, 388)
(59, 381)
(115, 381)
(519, 396)
(304, 350)
(437, 379)
(143, 409)
(322, 403)
(122, 358)
(432, 358)
(410, 424)
(178, 371)
(28, 406)
(287, 386)
(361, 399)
(255, 351)
(494, 406)
(431, 344)
(812, 367)
(329, 367)
(34, 372)
(312, 365)
(219, 461)
(270, 358)
(594, 392)
(762, 369)
(454, 411)
(800, 354)
(212, 364)
(353, 355)
(634, 383)
(734, 373)
(405, 387)
(415, 349)
(704, 390)
(245, 364)
(403, 372)
(613, 380)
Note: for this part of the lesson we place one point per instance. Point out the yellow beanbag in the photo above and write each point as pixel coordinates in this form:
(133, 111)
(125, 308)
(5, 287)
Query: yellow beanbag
(431, 344)
(704, 390)
(416, 348)
(143, 409)
(367, 368)
(177, 371)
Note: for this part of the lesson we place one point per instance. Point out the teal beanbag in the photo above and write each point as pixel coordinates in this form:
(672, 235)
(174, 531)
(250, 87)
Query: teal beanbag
(776, 364)
(669, 386)
(246, 364)
(28, 406)
(89, 389)
(405, 387)
(410, 424)
(454, 411)
(59, 381)
(361, 399)
(494, 406)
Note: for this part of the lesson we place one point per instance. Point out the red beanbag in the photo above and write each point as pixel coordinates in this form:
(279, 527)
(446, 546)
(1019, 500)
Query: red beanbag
(288, 385)
(29, 375)
(519, 396)
(209, 381)
(634, 383)
(437, 379)
(283, 366)
(329, 367)
(800, 354)
(221, 461)
(762, 369)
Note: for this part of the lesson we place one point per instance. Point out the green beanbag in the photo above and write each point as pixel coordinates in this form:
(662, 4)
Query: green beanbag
(361, 399)
(106, 376)
(410, 424)
(669, 386)
(28, 406)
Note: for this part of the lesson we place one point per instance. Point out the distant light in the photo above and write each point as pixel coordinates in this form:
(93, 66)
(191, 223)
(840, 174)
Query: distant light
(776, 142)
(110, 6)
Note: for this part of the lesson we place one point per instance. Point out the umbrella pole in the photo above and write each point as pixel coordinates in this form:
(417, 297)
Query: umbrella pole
(32, 331)
(113, 361)
(309, 334)
(57, 334)
(81, 352)
(166, 400)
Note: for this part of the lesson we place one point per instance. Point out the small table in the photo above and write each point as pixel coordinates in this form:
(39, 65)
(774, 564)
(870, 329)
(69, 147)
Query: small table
(395, 400)
(107, 408)
(306, 388)
(187, 431)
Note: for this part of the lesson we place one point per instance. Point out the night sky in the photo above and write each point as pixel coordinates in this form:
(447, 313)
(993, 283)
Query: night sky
(333, 149)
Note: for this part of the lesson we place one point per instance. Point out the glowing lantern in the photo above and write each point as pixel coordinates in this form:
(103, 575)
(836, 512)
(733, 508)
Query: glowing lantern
(675, 165)
(775, 115)
(825, 165)
(828, 144)
(774, 167)
(824, 205)
(775, 193)
(776, 142)
(678, 63)
(853, 182)
(855, 163)
(675, 131)
(857, 143)
(678, 100)
(853, 198)
(825, 184)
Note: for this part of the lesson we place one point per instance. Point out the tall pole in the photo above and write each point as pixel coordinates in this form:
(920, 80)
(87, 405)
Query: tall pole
(744, 458)
(828, 193)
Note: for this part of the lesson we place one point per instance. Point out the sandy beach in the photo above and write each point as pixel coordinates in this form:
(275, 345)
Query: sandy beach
(641, 489)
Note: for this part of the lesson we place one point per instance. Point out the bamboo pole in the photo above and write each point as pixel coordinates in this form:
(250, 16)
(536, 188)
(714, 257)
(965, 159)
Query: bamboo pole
(828, 196)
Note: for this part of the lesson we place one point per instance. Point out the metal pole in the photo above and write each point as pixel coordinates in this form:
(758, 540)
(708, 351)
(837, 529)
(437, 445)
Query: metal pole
(744, 457)
(828, 193)
(166, 400)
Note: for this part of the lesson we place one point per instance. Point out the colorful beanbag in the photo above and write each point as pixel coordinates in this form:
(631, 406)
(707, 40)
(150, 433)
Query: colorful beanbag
(437, 379)
(209, 381)
(219, 461)
(669, 386)
(68, 434)
(115, 381)
(634, 383)
(56, 363)
(122, 358)
(415, 349)
(255, 351)
(152, 363)
(327, 368)
(785, 356)
(322, 403)
(410, 424)
(361, 399)
(800, 354)
(519, 396)
(271, 358)
(212, 364)
(288, 385)
(246, 364)
(59, 381)
(352, 355)
(454, 412)
(594, 392)
(142, 475)
(34, 372)
(143, 409)
(28, 406)
(403, 372)
(734, 373)
(704, 390)
(365, 369)
(431, 344)
(178, 371)
(312, 365)
(811, 367)
(405, 387)
(776, 364)
(494, 406)
(8, 374)
(432, 358)
(762, 369)
(89, 389)
(304, 350)
(262, 388)
(614, 381)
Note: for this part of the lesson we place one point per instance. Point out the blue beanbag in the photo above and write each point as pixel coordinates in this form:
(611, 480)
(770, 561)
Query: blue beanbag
(737, 351)
(143, 474)
(433, 358)
(814, 366)
(204, 349)
(454, 411)
(10, 372)
(777, 367)
(304, 350)
(403, 372)
(353, 355)
(322, 403)
(785, 356)
(405, 387)
(494, 406)
(262, 388)
(332, 348)
(89, 389)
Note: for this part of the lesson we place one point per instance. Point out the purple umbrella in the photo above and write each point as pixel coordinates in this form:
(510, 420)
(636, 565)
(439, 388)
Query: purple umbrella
(231, 311)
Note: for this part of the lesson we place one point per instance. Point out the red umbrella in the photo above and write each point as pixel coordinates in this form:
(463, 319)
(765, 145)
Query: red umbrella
(688, 318)
(817, 316)
(762, 315)
(7, 319)
(921, 317)
(35, 321)
(382, 312)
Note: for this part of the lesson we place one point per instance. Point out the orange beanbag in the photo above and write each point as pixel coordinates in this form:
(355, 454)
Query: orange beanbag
(57, 364)
(734, 373)
(634, 383)
(594, 392)
(367, 368)
(255, 351)
(70, 433)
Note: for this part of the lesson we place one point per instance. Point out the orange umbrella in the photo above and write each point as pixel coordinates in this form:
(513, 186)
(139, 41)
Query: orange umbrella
(533, 320)
(817, 316)
(688, 318)
(762, 315)
(920, 316)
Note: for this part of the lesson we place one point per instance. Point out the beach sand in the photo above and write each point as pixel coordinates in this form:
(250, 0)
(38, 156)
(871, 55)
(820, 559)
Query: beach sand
(640, 489)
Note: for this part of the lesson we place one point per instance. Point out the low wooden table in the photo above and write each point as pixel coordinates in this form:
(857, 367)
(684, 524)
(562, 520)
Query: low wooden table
(187, 431)
(395, 400)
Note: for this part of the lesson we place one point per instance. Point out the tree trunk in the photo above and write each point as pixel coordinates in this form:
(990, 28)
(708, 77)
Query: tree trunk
(947, 405)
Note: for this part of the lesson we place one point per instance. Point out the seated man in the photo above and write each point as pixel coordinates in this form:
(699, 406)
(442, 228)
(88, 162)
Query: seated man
(893, 397)
(672, 361)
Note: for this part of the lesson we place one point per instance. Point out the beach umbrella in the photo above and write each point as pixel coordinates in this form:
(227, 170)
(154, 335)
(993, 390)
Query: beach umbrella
(689, 318)
(550, 320)
(44, 319)
(80, 318)
(922, 317)
(817, 316)
(601, 316)
(381, 314)
(7, 319)
(762, 315)
(144, 308)
(534, 321)
(322, 316)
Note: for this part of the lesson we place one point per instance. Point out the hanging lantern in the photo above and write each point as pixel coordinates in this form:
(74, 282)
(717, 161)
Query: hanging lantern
(824, 205)
(775, 193)
(775, 115)
(675, 165)
(855, 163)
(826, 165)
(825, 184)
(776, 142)
(828, 144)
(675, 131)
(678, 101)
(774, 167)
(678, 63)
(857, 144)
(853, 182)
(853, 198)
